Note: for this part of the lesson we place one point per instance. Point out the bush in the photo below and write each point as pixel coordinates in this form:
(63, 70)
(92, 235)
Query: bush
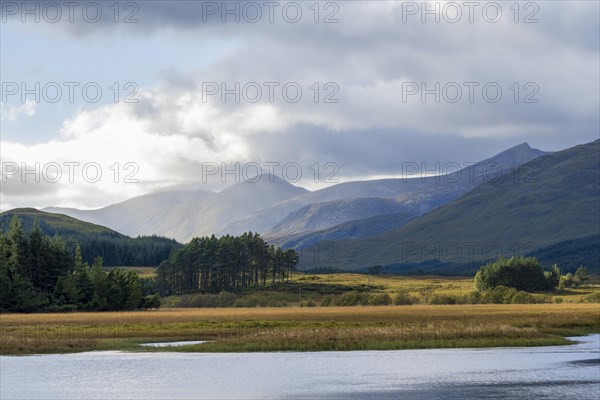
(152, 301)
(592, 298)
(352, 299)
(499, 295)
(308, 303)
(327, 301)
(558, 300)
(225, 299)
(473, 297)
(404, 299)
(199, 300)
(380, 299)
(442, 299)
(517, 272)
(523, 298)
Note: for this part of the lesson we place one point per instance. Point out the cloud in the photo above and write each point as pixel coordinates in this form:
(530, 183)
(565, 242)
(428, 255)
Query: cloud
(370, 55)
(13, 113)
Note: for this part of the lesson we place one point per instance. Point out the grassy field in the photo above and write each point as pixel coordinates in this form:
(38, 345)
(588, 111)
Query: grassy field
(316, 289)
(423, 285)
(301, 329)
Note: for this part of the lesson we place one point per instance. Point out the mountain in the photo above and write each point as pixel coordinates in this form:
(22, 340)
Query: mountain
(319, 216)
(551, 199)
(233, 203)
(184, 214)
(95, 240)
(417, 194)
(275, 207)
(142, 215)
(350, 230)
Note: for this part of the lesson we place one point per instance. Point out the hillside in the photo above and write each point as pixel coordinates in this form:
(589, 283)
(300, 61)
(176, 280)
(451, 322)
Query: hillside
(350, 230)
(142, 215)
(55, 224)
(115, 248)
(417, 194)
(319, 216)
(185, 214)
(553, 198)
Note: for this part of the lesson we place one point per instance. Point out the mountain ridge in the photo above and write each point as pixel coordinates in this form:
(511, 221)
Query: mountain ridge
(518, 209)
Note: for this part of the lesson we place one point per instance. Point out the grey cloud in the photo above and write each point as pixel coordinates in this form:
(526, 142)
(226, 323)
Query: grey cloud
(368, 53)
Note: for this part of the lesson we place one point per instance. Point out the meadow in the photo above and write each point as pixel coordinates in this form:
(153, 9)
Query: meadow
(359, 289)
(309, 316)
(301, 329)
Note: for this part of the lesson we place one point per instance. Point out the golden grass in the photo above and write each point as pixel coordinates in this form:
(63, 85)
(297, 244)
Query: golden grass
(323, 328)
(342, 314)
(416, 285)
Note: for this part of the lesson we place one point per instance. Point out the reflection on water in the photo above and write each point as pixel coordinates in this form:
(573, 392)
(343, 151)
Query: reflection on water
(558, 372)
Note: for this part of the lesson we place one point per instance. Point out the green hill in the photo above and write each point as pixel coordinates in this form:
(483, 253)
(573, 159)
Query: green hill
(553, 198)
(52, 224)
(95, 240)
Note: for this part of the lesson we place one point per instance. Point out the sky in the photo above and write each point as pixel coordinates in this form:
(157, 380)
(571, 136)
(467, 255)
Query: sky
(103, 103)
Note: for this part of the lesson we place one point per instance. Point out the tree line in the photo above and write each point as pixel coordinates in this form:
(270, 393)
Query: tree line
(526, 274)
(114, 248)
(208, 264)
(40, 272)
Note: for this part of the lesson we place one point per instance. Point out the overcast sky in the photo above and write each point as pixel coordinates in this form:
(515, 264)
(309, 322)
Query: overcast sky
(361, 67)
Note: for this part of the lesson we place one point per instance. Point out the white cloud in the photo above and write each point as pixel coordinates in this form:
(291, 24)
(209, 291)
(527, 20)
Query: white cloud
(13, 113)
(369, 54)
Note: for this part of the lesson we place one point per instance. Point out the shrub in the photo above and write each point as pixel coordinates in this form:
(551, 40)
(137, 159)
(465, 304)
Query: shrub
(473, 297)
(225, 299)
(404, 299)
(152, 301)
(499, 295)
(352, 299)
(380, 299)
(327, 301)
(308, 303)
(442, 299)
(517, 272)
(592, 298)
(558, 300)
(199, 300)
(523, 298)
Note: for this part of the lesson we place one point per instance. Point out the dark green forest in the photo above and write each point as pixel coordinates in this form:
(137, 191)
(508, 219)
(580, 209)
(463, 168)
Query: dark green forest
(94, 240)
(209, 264)
(41, 273)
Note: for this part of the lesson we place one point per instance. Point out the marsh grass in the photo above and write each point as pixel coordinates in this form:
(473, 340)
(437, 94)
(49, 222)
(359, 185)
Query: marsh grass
(301, 329)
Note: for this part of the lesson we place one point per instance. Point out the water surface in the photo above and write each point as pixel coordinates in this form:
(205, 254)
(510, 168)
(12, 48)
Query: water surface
(558, 372)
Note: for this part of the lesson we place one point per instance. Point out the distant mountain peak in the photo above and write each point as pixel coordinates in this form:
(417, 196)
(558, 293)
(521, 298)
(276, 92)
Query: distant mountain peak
(520, 147)
(266, 178)
(520, 153)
